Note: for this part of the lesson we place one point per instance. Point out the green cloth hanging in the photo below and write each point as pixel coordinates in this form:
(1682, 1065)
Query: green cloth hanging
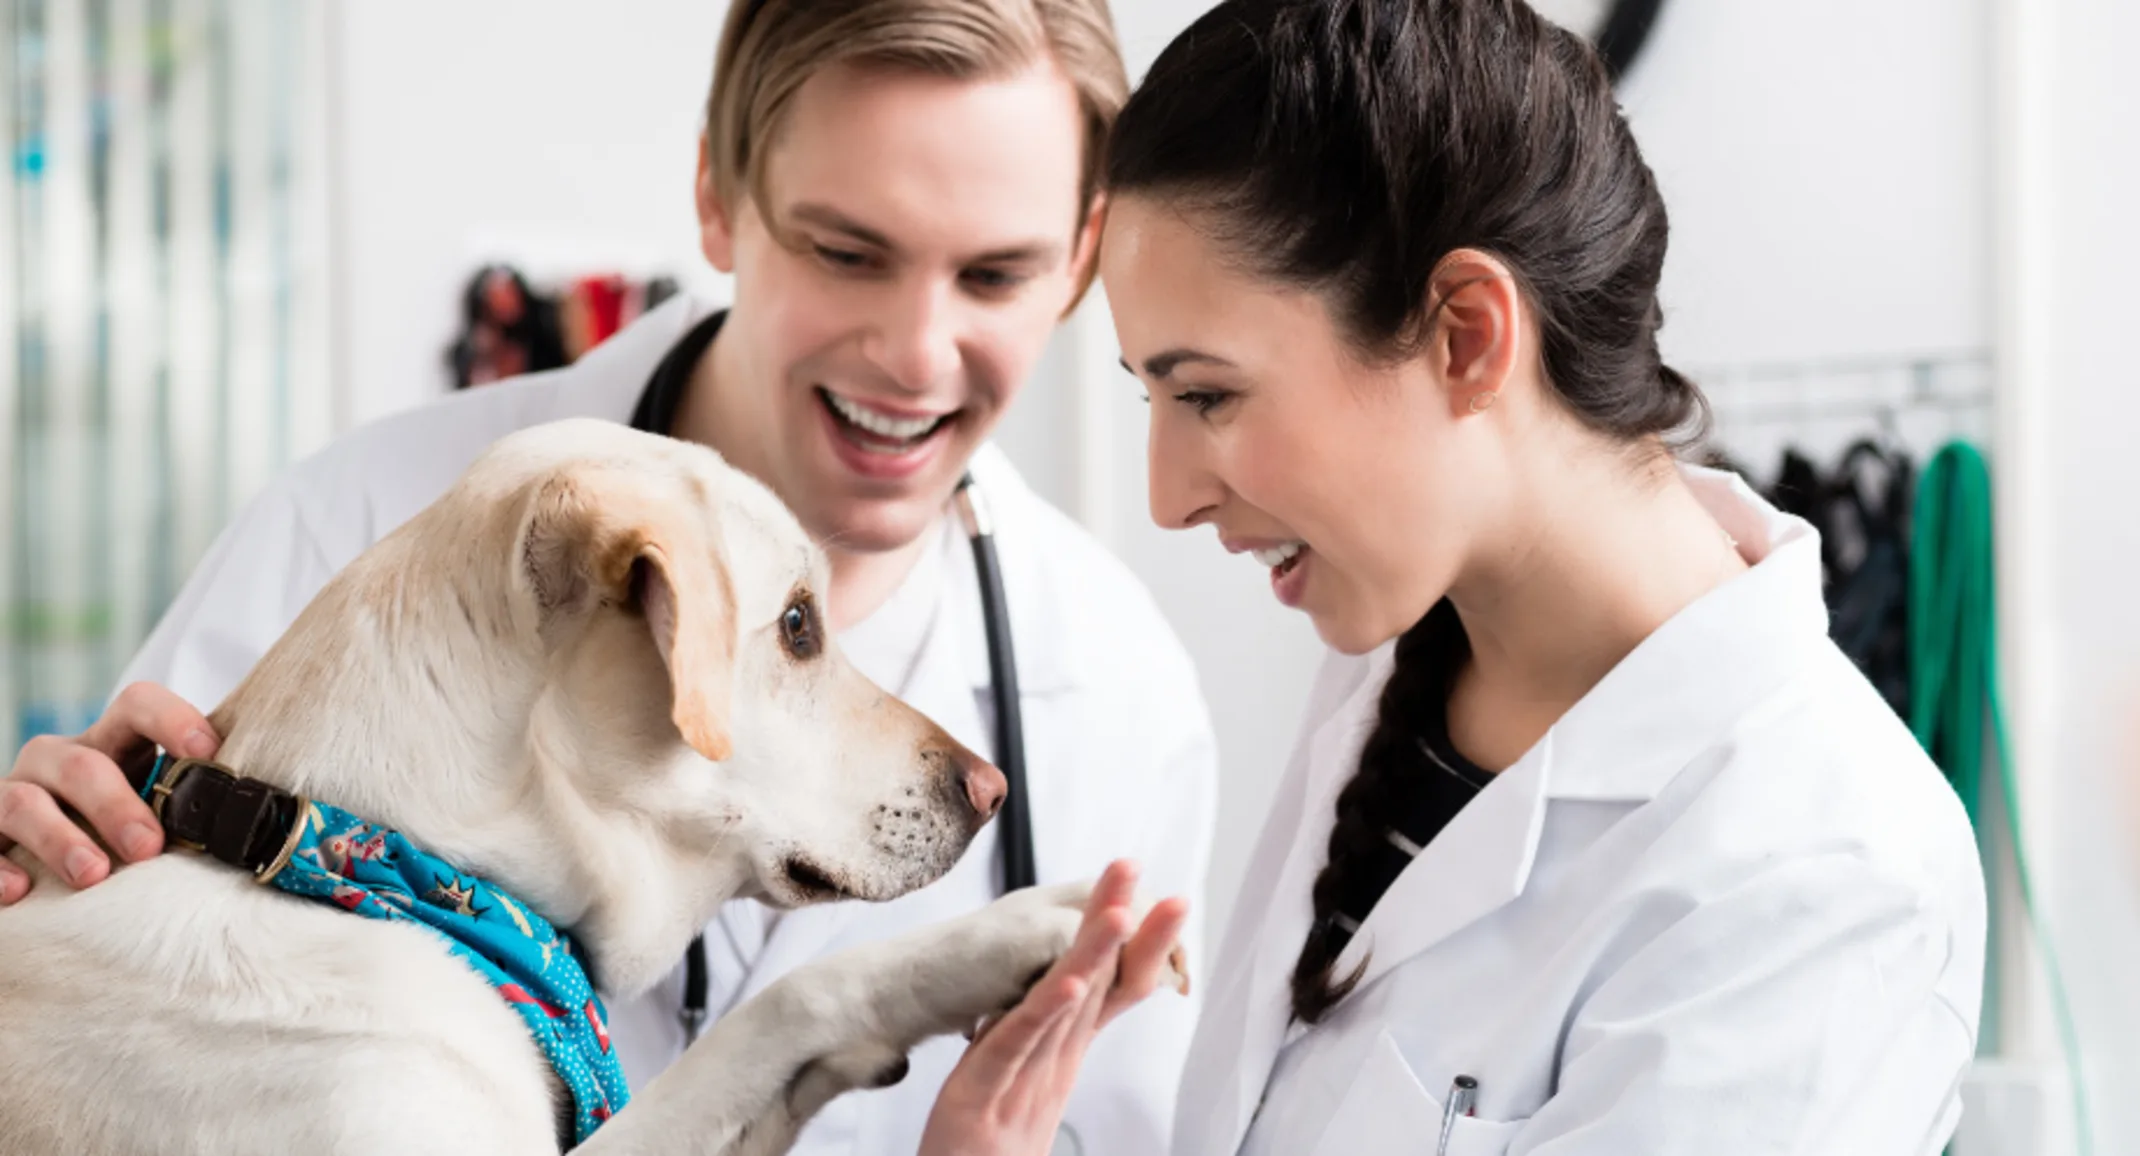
(1954, 687)
(1953, 655)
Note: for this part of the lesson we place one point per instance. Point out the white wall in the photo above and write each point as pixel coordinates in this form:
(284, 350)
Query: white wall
(549, 132)
(1827, 167)
(2091, 406)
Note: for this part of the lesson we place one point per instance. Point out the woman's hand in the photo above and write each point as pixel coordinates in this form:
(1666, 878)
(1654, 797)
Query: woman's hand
(1007, 1094)
(83, 773)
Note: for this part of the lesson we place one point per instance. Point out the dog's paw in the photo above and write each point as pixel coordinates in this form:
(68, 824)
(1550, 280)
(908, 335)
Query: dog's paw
(1050, 904)
(866, 1064)
(981, 965)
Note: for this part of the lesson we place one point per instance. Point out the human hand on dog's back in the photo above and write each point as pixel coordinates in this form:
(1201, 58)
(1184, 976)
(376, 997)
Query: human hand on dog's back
(83, 773)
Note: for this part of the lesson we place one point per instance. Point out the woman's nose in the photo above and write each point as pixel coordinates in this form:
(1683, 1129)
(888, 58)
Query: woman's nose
(1184, 491)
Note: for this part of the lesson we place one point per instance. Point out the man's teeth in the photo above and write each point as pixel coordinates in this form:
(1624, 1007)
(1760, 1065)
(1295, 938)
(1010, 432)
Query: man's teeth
(1277, 556)
(900, 429)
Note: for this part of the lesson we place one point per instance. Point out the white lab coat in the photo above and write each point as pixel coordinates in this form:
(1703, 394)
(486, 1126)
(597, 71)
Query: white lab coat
(1120, 753)
(1726, 905)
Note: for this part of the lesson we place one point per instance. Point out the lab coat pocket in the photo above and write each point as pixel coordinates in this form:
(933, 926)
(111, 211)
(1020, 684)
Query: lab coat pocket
(1386, 1110)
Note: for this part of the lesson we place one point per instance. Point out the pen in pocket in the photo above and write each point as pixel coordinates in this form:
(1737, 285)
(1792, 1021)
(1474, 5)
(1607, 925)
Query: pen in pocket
(1463, 1098)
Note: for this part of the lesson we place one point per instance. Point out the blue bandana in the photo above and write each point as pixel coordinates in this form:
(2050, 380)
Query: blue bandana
(377, 873)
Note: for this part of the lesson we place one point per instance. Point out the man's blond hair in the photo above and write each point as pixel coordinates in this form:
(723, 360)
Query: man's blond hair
(770, 47)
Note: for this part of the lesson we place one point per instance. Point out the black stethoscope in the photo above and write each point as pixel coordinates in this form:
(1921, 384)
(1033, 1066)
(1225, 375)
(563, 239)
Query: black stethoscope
(655, 413)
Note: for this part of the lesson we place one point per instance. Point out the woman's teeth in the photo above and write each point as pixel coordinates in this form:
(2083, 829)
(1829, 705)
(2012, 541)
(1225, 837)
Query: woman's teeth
(870, 421)
(1277, 556)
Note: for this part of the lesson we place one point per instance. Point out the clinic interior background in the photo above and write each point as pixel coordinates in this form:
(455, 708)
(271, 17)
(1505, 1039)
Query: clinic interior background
(1905, 220)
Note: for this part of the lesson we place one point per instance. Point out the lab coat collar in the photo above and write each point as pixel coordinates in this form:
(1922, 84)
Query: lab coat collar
(1679, 691)
(1675, 696)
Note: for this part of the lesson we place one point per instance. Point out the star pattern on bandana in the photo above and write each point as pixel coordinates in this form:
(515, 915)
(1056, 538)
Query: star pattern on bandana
(456, 895)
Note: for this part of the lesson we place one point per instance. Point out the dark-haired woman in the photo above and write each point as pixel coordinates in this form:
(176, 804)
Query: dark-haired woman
(1592, 842)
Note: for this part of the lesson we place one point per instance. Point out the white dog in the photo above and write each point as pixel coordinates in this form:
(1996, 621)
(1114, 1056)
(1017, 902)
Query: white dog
(595, 673)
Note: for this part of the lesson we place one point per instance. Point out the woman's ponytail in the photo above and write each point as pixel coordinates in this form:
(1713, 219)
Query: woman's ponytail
(1360, 853)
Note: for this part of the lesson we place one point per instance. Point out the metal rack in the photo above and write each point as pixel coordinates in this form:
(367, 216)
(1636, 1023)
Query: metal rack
(1915, 402)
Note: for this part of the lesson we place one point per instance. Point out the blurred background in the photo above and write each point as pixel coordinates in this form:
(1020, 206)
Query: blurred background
(232, 228)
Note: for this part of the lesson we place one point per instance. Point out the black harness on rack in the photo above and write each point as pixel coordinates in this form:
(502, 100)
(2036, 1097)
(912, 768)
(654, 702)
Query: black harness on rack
(656, 413)
(1862, 510)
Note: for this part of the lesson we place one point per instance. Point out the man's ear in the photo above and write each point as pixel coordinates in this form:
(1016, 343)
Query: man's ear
(1477, 313)
(1085, 253)
(716, 223)
(603, 537)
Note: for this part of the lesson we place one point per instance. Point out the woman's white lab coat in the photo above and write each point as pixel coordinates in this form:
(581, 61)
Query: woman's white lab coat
(1726, 905)
(1120, 753)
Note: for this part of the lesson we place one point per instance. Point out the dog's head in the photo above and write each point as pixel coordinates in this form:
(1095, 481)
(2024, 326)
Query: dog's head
(691, 692)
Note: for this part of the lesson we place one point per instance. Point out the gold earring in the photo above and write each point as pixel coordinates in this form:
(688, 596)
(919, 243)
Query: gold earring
(1483, 401)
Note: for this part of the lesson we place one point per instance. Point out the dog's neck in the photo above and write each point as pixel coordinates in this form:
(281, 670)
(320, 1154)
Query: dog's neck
(399, 698)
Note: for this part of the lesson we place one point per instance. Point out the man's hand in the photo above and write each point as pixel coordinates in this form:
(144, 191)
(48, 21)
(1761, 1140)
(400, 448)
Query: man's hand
(83, 773)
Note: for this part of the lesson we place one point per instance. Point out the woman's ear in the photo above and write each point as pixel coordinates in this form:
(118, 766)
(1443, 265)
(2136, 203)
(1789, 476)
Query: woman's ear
(1477, 316)
(716, 225)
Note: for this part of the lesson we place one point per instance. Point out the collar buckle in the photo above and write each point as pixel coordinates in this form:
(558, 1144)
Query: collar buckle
(302, 808)
(228, 817)
(168, 782)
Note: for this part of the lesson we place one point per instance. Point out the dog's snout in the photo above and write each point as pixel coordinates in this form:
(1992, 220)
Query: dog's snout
(982, 783)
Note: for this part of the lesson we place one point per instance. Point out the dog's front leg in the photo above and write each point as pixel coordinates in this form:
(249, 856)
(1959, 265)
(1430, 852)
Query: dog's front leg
(750, 1083)
(763, 1070)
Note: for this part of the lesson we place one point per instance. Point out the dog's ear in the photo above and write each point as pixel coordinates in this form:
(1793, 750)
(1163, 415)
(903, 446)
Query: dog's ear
(612, 537)
(690, 610)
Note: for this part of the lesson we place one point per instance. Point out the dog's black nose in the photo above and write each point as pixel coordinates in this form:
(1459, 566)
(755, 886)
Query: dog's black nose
(983, 783)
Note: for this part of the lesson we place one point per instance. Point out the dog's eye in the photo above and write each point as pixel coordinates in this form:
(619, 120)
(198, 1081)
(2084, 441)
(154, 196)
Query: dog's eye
(798, 629)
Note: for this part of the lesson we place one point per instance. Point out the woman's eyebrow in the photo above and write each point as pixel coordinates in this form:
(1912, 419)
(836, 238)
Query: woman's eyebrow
(1163, 364)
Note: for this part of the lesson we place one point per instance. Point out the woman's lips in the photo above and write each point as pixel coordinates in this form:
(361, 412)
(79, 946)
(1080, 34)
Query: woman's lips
(1289, 579)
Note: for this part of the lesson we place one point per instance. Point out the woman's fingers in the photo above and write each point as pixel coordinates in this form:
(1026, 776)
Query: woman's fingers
(1059, 1052)
(1006, 1050)
(1008, 1092)
(1004, 1097)
(1084, 970)
(1062, 1051)
(1064, 1004)
(1086, 1020)
(1123, 969)
(1116, 887)
(1095, 958)
(1148, 958)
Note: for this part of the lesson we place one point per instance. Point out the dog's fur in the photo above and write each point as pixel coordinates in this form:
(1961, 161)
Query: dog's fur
(568, 675)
